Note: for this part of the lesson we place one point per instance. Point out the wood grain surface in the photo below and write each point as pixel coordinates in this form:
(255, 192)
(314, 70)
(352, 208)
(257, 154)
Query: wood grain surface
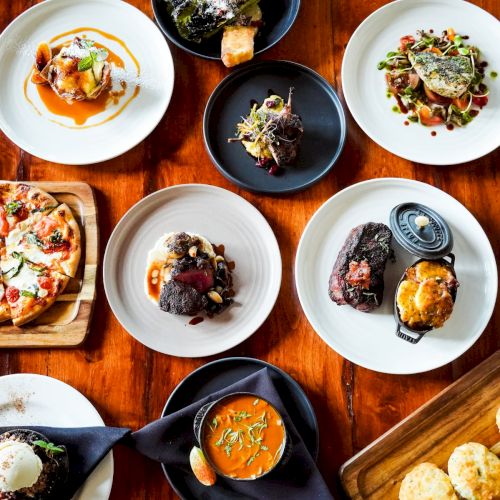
(464, 412)
(67, 322)
(129, 383)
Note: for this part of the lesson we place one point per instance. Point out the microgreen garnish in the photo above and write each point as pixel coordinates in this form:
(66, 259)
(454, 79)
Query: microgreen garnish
(49, 447)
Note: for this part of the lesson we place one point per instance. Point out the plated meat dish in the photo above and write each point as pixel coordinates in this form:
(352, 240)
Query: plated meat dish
(31, 467)
(437, 79)
(271, 133)
(426, 294)
(198, 20)
(185, 275)
(357, 277)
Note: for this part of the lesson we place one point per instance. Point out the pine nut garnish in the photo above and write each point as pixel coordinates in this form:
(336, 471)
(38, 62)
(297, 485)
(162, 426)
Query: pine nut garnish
(215, 297)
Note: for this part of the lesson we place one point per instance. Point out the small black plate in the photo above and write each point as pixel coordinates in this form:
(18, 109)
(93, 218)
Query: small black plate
(223, 372)
(278, 17)
(314, 100)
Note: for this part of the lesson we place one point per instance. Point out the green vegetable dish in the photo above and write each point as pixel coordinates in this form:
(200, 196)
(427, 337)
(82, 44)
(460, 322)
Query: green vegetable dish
(436, 79)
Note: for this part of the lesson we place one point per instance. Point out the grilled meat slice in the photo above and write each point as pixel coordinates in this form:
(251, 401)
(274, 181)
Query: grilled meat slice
(448, 76)
(357, 277)
(197, 272)
(180, 298)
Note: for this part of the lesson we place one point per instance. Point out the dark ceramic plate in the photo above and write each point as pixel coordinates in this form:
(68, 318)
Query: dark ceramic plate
(314, 100)
(278, 17)
(221, 373)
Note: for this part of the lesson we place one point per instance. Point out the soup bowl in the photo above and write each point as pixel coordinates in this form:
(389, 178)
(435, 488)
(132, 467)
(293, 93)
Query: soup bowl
(243, 436)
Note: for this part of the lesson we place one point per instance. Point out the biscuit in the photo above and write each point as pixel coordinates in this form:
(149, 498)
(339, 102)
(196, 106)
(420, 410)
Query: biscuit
(426, 482)
(475, 472)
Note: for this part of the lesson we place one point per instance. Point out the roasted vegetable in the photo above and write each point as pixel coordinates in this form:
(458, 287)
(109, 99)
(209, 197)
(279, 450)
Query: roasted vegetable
(200, 19)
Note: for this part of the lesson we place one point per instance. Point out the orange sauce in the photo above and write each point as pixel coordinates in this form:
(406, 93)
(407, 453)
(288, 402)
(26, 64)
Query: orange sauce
(244, 436)
(81, 111)
(154, 284)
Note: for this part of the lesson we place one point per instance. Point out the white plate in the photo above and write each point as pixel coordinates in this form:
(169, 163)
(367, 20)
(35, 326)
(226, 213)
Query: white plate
(369, 339)
(28, 399)
(222, 217)
(365, 89)
(42, 137)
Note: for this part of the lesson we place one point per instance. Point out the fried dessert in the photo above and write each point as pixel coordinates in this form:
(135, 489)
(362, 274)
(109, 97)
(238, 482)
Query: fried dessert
(426, 481)
(77, 72)
(357, 277)
(426, 295)
(185, 275)
(31, 467)
(271, 133)
(475, 472)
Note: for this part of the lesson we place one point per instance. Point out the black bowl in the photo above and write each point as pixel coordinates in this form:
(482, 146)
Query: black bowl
(314, 100)
(278, 17)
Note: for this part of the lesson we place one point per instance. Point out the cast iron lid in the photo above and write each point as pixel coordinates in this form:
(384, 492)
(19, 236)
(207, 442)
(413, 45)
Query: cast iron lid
(421, 231)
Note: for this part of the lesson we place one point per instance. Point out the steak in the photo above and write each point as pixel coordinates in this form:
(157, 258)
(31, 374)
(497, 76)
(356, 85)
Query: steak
(357, 277)
(179, 298)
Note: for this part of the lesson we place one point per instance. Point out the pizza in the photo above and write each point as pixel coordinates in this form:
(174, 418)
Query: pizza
(40, 250)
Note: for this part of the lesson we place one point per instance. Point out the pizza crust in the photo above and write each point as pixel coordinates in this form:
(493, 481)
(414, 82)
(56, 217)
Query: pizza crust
(63, 215)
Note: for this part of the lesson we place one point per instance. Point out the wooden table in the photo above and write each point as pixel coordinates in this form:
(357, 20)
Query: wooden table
(129, 383)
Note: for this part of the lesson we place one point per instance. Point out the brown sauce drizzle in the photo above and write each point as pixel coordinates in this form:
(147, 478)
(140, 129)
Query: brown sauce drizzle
(81, 111)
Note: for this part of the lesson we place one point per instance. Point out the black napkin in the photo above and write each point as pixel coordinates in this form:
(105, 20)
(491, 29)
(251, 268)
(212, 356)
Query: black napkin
(170, 439)
(86, 447)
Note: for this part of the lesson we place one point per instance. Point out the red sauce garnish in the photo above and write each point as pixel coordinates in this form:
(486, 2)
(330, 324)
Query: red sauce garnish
(450, 126)
(406, 122)
(196, 321)
(402, 107)
(433, 133)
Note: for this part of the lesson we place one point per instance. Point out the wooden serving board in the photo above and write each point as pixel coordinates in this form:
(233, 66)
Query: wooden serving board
(67, 322)
(463, 412)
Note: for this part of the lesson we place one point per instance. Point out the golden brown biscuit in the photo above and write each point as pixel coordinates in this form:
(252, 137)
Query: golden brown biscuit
(426, 482)
(475, 472)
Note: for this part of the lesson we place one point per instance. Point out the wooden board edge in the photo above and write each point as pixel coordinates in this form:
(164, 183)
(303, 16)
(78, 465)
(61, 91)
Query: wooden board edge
(348, 473)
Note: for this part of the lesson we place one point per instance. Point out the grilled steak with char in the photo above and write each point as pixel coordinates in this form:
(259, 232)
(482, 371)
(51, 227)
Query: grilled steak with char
(357, 277)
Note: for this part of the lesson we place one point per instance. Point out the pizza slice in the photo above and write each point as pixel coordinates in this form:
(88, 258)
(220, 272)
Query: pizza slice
(52, 240)
(19, 202)
(4, 305)
(30, 287)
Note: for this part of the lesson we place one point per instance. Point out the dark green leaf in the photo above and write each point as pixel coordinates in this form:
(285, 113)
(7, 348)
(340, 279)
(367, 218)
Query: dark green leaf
(27, 293)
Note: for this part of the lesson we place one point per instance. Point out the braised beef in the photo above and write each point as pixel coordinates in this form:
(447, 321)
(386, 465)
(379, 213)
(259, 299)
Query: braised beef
(180, 298)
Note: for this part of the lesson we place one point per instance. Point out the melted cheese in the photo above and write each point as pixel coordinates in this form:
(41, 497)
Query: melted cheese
(423, 298)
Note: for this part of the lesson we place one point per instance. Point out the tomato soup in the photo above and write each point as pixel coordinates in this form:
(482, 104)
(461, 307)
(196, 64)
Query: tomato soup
(243, 436)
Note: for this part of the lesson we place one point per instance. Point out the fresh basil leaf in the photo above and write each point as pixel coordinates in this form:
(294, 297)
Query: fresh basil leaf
(85, 63)
(56, 237)
(27, 293)
(13, 207)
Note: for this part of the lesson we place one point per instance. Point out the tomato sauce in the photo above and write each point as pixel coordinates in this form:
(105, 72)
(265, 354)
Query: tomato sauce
(244, 436)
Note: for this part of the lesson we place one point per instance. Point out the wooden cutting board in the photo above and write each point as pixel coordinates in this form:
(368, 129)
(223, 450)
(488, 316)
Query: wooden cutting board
(67, 322)
(463, 412)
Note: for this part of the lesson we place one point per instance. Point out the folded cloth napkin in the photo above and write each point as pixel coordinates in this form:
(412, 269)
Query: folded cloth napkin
(170, 439)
